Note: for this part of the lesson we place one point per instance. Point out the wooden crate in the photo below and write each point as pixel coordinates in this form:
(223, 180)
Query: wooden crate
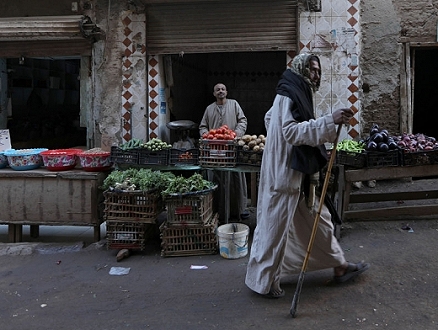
(189, 240)
(139, 206)
(189, 209)
(217, 153)
(128, 235)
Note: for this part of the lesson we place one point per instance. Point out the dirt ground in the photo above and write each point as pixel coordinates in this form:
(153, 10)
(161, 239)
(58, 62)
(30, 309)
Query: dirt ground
(71, 288)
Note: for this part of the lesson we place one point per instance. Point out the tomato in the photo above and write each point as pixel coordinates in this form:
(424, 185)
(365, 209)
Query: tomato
(220, 136)
(212, 131)
(210, 136)
(225, 126)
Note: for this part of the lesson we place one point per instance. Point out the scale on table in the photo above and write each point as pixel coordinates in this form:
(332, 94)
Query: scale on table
(182, 129)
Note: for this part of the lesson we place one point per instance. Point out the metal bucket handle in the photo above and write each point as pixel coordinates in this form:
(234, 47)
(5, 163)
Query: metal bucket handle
(232, 239)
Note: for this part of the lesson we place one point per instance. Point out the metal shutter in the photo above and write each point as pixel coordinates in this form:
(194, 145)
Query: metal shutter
(46, 35)
(225, 26)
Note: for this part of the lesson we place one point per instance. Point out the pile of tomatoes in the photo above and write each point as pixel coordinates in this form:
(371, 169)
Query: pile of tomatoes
(221, 133)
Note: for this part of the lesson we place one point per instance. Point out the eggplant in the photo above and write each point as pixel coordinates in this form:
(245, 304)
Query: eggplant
(392, 145)
(374, 130)
(377, 137)
(372, 146)
(382, 146)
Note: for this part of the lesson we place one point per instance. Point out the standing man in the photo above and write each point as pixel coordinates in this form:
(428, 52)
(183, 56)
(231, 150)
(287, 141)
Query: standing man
(227, 112)
(294, 151)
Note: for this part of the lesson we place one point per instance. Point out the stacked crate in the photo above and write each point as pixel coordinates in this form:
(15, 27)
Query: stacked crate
(130, 217)
(190, 227)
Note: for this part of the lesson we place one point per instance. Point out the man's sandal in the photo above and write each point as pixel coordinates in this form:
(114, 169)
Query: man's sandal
(352, 271)
(274, 294)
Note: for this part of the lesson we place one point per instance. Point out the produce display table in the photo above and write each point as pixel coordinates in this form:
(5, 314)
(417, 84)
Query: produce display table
(345, 198)
(239, 169)
(253, 170)
(42, 197)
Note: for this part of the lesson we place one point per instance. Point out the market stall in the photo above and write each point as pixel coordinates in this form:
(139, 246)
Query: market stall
(41, 197)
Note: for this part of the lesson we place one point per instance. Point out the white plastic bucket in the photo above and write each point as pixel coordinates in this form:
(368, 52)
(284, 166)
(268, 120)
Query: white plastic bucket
(233, 240)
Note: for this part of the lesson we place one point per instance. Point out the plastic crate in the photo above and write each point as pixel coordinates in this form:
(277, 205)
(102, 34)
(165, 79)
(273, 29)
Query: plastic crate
(148, 157)
(189, 241)
(217, 153)
(189, 209)
(383, 159)
(138, 206)
(184, 157)
(120, 156)
(128, 235)
(425, 157)
(353, 159)
(251, 158)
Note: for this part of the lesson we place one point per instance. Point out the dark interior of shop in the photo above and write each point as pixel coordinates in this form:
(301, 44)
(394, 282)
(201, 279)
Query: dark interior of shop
(250, 77)
(44, 103)
(425, 92)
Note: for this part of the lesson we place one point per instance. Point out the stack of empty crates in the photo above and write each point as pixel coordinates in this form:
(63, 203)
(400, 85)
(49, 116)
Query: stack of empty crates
(190, 227)
(130, 218)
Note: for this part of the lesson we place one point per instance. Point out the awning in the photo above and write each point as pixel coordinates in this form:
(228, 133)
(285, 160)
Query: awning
(47, 35)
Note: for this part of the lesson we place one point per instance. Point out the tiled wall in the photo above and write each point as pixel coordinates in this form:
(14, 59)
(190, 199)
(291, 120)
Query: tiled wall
(334, 35)
(134, 107)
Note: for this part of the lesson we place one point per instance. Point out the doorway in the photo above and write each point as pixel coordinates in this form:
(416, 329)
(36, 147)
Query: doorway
(44, 103)
(250, 77)
(425, 114)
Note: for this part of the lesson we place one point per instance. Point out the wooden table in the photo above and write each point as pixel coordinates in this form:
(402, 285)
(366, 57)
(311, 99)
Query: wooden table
(345, 198)
(42, 197)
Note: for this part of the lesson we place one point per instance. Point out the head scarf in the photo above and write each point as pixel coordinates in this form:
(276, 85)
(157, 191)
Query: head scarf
(301, 66)
(295, 84)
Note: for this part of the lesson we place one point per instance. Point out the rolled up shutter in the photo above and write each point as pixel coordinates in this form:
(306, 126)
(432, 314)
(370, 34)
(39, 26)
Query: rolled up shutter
(46, 35)
(224, 26)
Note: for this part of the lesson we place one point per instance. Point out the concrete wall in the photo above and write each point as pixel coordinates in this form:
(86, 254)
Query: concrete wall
(388, 26)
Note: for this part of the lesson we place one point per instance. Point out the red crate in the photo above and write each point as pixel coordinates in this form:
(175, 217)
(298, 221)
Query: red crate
(217, 153)
(139, 206)
(189, 241)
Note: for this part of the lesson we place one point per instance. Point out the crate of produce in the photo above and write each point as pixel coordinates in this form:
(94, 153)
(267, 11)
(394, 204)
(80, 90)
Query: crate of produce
(128, 235)
(383, 158)
(189, 209)
(247, 157)
(217, 153)
(120, 156)
(190, 240)
(352, 159)
(148, 157)
(416, 158)
(180, 157)
(136, 206)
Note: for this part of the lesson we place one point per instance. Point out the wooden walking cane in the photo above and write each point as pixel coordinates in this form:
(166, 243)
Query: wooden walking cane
(296, 297)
